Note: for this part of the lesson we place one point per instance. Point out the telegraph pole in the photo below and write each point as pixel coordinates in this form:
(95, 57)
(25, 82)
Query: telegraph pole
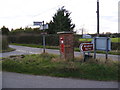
(97, 17)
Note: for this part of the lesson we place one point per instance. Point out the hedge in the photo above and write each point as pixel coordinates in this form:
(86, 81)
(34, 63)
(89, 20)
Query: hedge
(114, 45)
(51, 40)
(3, 42)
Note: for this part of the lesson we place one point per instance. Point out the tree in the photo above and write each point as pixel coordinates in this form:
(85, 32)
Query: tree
(4, 30)
(61, 22)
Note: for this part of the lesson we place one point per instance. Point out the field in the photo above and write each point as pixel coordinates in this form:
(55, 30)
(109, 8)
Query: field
(90, 39)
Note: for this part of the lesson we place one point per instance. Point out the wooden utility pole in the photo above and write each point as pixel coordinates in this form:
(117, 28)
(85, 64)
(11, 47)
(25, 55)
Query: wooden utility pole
(97, 17)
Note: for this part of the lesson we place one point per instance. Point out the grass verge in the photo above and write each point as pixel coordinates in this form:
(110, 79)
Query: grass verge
(52, 65)
(7, 50)
(113, 52)
(36, 46)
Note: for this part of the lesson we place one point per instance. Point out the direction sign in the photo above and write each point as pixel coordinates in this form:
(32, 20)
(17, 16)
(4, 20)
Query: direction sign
(45, 27)
(37, 23)
(102, 43)
(86, 47)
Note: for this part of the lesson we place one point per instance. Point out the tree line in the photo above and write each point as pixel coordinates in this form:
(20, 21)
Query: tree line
(28, 30)
(61, 22)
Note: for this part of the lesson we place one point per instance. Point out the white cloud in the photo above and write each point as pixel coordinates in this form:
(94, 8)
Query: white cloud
(17, 13)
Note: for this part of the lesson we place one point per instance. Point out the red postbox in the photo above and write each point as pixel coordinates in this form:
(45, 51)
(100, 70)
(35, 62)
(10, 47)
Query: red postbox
(62, 44)
(66, 45)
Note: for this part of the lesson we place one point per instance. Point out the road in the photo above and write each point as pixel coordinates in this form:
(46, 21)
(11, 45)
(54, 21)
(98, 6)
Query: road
(16, 80)
(30, 50)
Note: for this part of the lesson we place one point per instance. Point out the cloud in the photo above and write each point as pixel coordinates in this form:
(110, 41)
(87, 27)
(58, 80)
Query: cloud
(110, 18)
(17, 13)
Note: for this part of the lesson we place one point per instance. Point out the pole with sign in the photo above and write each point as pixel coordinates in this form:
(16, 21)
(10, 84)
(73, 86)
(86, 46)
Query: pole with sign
(86, 47)
(42, 27)
(37, 23)
(43, 39)
(102, 44)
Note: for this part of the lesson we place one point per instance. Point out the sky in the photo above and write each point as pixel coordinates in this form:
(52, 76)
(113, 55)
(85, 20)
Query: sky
(22, 13)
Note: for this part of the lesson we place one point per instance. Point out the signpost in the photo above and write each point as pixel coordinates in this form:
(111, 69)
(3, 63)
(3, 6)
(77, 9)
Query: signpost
(86, 47)
(102, 44)
(42, 27)
(43, 39)
(37, 23)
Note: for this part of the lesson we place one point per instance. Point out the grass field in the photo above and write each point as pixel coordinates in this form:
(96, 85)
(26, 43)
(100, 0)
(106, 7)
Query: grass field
(89, 39)
(52, 65)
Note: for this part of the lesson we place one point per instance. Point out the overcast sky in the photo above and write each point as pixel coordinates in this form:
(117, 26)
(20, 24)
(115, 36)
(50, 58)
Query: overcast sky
(22, 13)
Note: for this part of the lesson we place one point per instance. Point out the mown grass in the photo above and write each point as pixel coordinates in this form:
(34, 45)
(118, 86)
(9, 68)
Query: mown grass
(85, 39)
(90, 39)
(36, 46)
(7, 50)
(52, 65)
(115, 39)
(112, 52)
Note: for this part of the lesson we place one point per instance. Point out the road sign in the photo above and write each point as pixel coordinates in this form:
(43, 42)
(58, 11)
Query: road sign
(102, 43)
(37, 23)
(86, 47)
(45, 27)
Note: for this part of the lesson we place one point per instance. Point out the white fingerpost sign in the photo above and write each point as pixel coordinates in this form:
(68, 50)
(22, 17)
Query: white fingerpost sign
(44, 27)
(37, 23)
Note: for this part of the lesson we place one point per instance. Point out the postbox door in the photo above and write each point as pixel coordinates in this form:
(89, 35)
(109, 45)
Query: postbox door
(62, 44)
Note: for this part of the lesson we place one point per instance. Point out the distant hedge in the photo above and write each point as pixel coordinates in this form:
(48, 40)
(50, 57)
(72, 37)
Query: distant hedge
(115, 46)
(51, 40)
(3, 42)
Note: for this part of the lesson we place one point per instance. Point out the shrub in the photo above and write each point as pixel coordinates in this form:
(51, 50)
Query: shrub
(115, 46)
(51, 40)
(4, 43)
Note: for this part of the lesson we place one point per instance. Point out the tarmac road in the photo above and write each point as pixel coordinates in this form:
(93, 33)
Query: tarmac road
(29, 50)
(16, 80)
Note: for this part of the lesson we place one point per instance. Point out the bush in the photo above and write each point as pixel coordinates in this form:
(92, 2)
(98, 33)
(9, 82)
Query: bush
(115, 46)
(51, 40)
(4, 43)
